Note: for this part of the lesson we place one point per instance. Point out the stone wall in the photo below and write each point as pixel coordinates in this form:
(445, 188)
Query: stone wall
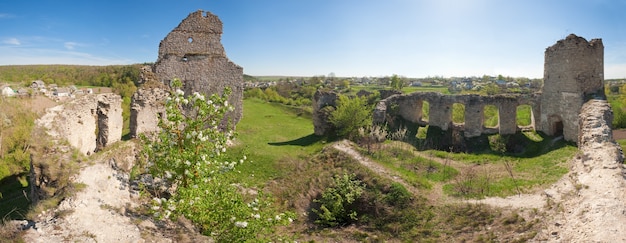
(324, 102)
(88, 123)
(146, 108)
(573, 72)
(193, 53)
(409, 108)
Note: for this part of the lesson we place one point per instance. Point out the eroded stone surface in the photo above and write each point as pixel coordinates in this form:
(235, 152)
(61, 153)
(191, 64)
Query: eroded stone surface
(87, 123)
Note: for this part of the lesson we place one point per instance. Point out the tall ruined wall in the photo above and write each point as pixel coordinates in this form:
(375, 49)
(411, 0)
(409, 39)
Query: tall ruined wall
(87, 123)
(324, 102)
(193, 53)
(573, 70)
(146, 108)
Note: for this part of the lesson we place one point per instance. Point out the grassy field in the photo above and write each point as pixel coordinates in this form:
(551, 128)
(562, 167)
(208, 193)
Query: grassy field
(286, 159)
(269, 133)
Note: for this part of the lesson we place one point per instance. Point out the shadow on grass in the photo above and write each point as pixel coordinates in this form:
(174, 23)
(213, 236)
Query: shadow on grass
(13, 201)
(303, 141)
(517, 145)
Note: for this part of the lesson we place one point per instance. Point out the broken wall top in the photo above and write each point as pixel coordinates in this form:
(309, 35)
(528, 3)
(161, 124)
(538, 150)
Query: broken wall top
(198, 34)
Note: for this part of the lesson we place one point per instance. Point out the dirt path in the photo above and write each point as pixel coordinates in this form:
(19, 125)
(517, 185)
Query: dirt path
(345, 146)
(436, 193)
(99, 212)
(95, 214)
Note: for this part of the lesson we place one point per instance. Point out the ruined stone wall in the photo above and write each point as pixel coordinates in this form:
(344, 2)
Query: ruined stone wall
(193, 53)
(409, 108)
(110, 120)
(573, 71)
(146, 108)
(86, 123)
(324, 102)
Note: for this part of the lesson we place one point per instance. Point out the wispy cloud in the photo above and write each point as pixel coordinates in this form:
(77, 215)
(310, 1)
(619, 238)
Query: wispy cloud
(6, 16)
(70, 45)
(12, 41)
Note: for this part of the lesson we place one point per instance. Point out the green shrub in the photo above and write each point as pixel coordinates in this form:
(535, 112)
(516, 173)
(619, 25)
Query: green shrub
(190, 154)
(350, 115)
(398, 195)
(336, 203)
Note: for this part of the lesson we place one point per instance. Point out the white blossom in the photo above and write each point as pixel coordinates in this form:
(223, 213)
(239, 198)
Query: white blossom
(241, 224)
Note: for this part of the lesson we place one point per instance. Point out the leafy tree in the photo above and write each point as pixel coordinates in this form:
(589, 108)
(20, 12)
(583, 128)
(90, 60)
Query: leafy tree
(396, 82)
(189, 153)
(350, 115)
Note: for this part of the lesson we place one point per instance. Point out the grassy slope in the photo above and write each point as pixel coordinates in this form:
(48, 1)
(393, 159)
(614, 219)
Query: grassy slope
(269, 133)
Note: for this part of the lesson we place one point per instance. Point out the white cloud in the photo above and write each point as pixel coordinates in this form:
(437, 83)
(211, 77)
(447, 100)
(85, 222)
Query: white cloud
(70, 45)
(6, 16)
(12, 41)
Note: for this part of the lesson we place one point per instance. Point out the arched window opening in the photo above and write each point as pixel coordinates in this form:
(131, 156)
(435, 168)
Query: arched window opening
(458, 113)
(524, 115)
(425, 111)
(491, 116)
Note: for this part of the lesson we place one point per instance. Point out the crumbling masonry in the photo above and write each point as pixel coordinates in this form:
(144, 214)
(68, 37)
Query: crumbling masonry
(193, 53)
(573, 74)
(88, 123)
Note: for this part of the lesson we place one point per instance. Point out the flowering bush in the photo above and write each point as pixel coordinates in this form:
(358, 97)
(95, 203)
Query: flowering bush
(189, 153)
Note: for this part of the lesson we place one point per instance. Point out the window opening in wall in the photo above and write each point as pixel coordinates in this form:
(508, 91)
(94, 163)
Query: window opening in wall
(458, 113)
(524, 115)
(185, 58)
(490, 116)
(425, 111)
(190, 39)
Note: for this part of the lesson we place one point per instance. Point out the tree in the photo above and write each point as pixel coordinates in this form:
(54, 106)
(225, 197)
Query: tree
(350, 115)
(396, 82)
(189, 154)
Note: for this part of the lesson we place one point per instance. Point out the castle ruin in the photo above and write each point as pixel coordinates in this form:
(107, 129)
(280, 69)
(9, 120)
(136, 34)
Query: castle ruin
(573, 74)
(88, 123)
(193, 53)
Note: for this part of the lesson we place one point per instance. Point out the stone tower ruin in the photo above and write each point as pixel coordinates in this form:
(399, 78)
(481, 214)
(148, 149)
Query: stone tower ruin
(573, 73)
(193, 53)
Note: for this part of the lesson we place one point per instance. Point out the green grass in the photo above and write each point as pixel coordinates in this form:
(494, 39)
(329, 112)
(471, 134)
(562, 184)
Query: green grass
(270, 133)
(417, 171)
(541, 164)
(622, 143)
(524, 115)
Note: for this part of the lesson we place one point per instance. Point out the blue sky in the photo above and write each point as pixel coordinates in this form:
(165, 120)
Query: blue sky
(413, 38)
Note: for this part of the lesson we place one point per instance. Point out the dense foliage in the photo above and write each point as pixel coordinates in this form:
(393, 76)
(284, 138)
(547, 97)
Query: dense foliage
(337, 201)
(16, 124)
(190, 154)
(63, 75)
(350, 115)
